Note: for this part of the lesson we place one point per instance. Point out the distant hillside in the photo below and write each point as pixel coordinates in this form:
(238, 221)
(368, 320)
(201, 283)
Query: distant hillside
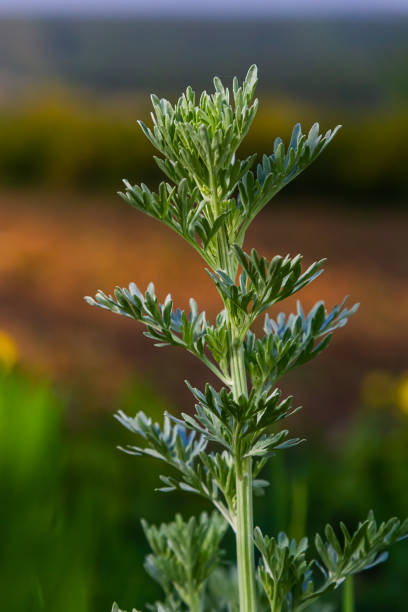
(346, 63)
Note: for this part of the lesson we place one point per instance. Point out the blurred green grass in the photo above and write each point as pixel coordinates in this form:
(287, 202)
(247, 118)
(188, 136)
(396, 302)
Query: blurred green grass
(71, 502)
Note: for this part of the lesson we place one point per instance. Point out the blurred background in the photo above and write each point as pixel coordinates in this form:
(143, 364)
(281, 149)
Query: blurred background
(74, 77)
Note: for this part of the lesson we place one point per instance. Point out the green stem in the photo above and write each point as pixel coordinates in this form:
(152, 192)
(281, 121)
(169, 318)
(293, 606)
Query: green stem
(193, 597)
(244, 495)
(348, 595)
(195, 604)
(275, 606)
(245, 547)
(243, 467)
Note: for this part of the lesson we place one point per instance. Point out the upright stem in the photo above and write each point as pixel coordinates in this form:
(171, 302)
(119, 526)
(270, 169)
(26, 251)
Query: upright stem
(275, 606)
(348, 595)
(244, 493)
(243, 467)
(245, 547)
(195, 603)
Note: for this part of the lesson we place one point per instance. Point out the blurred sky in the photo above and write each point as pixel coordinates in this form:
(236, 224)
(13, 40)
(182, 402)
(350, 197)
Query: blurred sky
(206, 7)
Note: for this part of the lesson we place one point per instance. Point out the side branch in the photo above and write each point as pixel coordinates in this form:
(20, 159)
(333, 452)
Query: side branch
(166, 326)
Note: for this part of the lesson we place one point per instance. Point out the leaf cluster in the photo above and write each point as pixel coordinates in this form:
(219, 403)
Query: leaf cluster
(182, 209)
(360, 551)
(241, 426)
(184, 554)
(168, 326)
(164, 325)
(278, 169)
(200, 140)
(209, 474)
(289, 578)
(211, 190)
(262, 284)
(290, 341)
(282, 569)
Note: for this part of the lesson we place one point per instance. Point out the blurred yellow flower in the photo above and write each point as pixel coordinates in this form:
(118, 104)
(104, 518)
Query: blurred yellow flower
(8, 351)
(402, 394)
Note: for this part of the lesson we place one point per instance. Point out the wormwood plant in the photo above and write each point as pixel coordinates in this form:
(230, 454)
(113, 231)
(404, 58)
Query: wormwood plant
(211, 199)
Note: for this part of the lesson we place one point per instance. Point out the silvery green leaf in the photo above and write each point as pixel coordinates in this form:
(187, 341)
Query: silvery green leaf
(184, 555)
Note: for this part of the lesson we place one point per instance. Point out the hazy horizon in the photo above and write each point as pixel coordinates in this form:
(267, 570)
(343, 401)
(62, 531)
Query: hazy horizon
(210, 8)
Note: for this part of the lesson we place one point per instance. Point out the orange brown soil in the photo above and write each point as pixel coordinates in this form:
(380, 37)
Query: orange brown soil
(56, 248)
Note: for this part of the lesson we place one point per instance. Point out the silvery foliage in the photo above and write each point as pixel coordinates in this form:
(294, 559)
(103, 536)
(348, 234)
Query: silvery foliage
(289, 577)
(184, 555)
(198, 141)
